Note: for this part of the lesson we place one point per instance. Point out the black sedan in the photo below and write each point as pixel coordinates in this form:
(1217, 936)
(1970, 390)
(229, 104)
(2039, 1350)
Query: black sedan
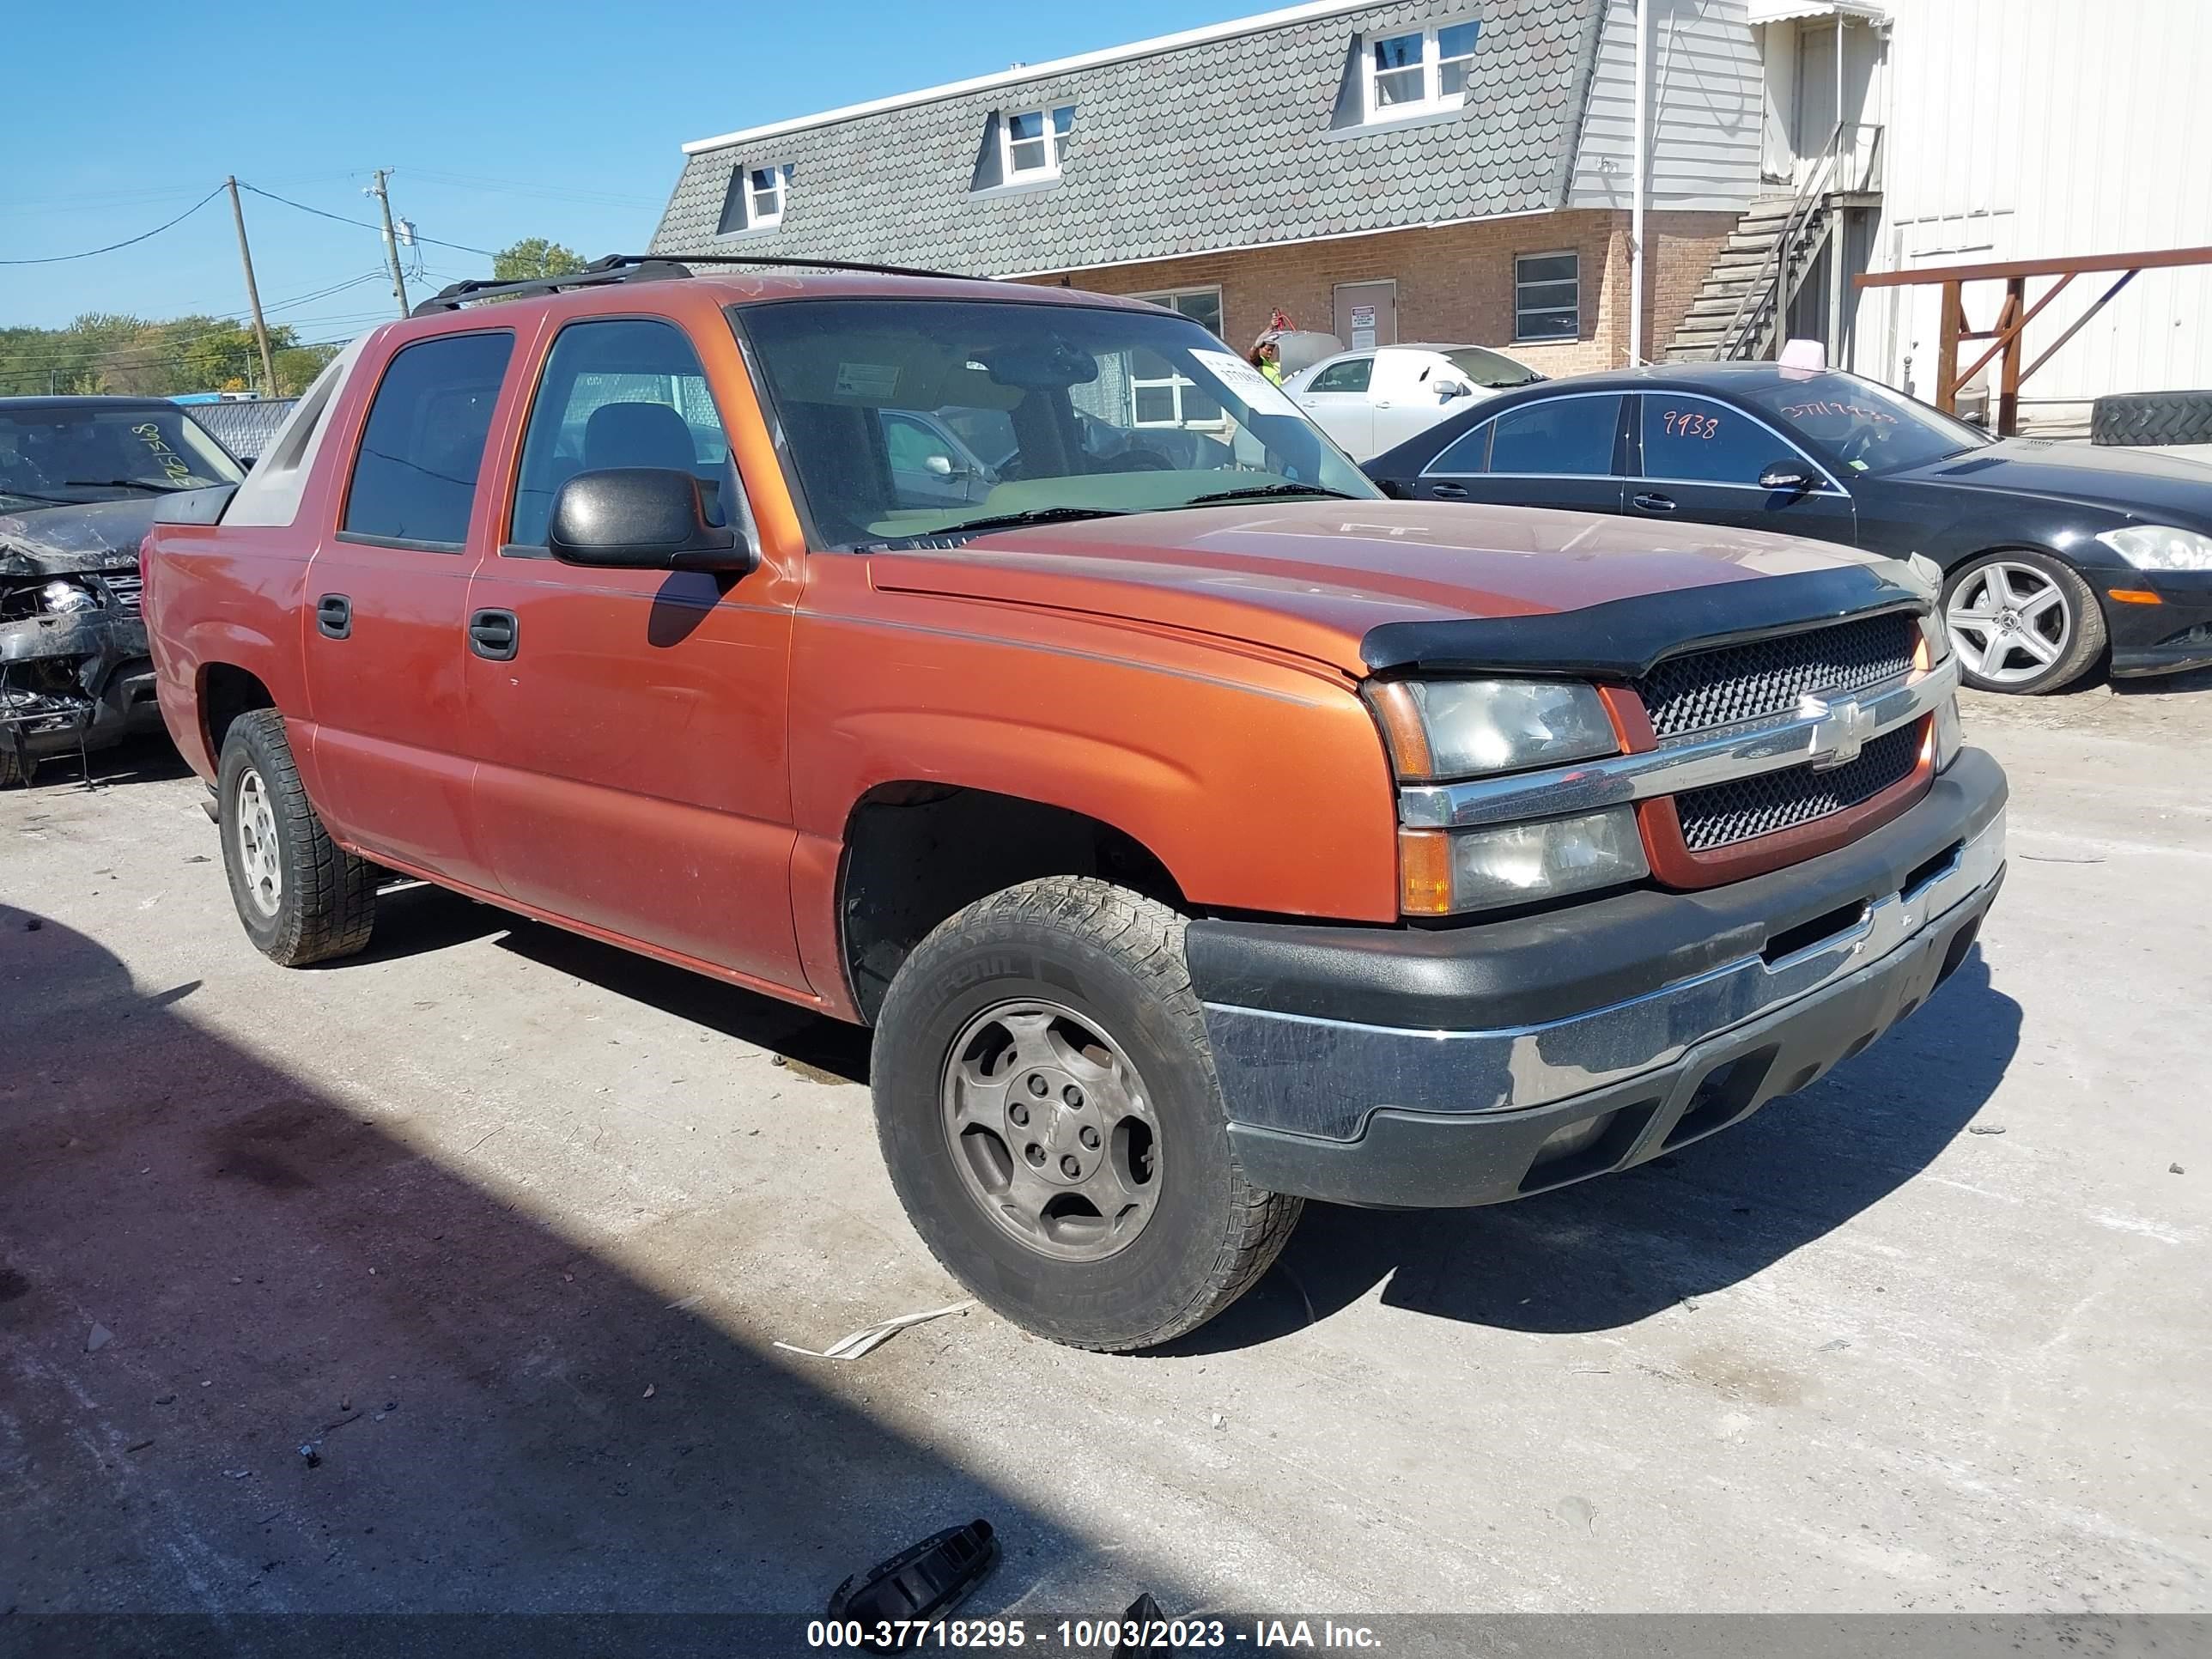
(2052, 553)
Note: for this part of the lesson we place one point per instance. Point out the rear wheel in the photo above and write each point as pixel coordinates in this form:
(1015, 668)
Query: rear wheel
(301, 896)
(1046, 1103)
(2022, 622)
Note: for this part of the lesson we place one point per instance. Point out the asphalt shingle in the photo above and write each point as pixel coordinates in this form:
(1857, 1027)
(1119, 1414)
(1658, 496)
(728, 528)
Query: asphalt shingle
(1225, 142)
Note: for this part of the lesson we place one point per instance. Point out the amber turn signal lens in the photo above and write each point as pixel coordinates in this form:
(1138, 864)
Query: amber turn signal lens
(1424, 873)
(2133, 596)
(1402, 728)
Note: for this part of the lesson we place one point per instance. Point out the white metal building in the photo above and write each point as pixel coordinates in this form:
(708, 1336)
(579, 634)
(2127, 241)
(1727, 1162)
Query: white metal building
(2030, 129)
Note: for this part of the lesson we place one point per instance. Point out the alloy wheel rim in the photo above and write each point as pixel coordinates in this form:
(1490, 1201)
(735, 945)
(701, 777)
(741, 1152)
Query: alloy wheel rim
(2009, 622)
(258, 859)
(1052, 1130)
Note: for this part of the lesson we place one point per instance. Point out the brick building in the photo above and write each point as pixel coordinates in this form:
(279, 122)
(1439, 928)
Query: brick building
(1454, 171)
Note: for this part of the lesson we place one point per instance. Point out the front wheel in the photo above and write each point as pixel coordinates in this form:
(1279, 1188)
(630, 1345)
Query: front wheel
(301, 896)
(1046, 1104)
(2022, 622)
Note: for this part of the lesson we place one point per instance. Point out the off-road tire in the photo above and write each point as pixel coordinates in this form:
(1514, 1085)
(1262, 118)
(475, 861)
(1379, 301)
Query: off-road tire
(2085, 618)
(11, 772)
(2152, 417)
(1116, 959)
(327, 905)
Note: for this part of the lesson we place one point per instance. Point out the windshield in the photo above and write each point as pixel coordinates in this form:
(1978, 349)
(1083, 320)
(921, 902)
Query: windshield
(73, 454)
(1489, 369)
(923, 418)
(1862, 427)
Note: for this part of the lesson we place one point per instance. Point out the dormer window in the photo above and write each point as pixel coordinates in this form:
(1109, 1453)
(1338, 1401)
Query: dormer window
(753, 200)
(1036, 141)
(763, 197)
(1418, 71)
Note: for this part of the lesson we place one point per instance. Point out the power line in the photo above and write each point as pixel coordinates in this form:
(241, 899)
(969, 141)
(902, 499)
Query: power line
(60, 259)
(361, 224)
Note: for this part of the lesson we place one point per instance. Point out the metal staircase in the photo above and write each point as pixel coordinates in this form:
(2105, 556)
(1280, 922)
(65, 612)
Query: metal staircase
(1741, 307)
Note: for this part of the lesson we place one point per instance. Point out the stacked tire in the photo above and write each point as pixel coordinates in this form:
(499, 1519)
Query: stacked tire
(2140, 419)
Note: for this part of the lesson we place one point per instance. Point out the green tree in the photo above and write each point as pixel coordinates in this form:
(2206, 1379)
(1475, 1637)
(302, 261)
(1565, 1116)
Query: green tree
(534, 257)
(102, 352)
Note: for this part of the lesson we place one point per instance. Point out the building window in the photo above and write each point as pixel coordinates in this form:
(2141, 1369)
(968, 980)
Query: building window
(1547, 296)
(1036, 141)
(1171, 399)
(1201, 305)
(753, 200)
(1419, 71)
(763, 197)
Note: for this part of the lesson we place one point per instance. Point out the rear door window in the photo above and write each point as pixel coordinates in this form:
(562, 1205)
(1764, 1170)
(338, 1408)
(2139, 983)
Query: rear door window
(1558, 437)
(1466, 455)
(1350, 375)
(415, 476)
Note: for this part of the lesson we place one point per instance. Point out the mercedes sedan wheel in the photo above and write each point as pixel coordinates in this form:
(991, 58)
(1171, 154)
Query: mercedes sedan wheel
(2022, 622)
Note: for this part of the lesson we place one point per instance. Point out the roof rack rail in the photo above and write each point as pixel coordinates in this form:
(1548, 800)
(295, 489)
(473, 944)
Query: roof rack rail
(647, 268)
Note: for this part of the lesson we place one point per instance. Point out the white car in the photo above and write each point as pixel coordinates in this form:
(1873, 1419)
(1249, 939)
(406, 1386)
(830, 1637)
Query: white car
(1370, 400)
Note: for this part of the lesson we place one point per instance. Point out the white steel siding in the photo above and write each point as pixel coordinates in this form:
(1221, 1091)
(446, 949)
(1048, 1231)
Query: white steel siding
(2044, 128)
(1708, 109)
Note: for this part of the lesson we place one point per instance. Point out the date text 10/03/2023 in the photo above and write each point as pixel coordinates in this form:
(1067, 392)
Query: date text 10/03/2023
(1074, 1636)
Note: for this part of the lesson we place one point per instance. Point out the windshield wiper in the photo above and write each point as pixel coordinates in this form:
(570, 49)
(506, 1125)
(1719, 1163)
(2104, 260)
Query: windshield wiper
(34, 496)
(123, 484)
(1260, 492)
(996, 522)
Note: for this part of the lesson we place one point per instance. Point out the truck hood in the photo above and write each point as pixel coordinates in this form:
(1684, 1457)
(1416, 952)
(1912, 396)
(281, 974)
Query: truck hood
(1367, 584)
(61, 541)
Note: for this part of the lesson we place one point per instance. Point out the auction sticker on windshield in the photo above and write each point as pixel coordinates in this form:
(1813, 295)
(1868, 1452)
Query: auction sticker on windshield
(1260, 395)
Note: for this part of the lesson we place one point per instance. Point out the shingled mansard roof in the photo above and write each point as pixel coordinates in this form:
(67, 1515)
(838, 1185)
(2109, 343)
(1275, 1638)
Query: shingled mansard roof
(1231, 137)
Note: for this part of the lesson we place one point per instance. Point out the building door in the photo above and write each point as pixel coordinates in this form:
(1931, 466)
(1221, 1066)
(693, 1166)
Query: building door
(1367, 314)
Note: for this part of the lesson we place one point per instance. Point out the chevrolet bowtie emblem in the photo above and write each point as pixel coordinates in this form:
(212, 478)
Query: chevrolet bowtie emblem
(1845, 724)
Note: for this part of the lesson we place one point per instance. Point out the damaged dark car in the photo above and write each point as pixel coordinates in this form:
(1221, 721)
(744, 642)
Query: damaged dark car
(80, 479)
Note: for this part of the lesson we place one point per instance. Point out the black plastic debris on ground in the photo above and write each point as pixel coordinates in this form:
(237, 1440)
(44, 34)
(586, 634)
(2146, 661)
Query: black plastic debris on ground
(920, 1583)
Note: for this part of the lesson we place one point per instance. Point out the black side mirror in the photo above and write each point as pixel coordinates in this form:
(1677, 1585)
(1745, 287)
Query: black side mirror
(642, 517)
(1786, 476)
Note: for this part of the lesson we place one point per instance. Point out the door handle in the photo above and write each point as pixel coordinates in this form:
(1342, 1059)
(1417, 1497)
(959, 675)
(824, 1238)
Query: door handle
(1652, 502)
(334, 616)
(1382, 403)
(494, 635)
(1448, 492)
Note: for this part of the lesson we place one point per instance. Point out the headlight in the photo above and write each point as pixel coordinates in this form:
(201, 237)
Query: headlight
(1439, 729)
(1445, 872)
(2161, 547)
(60, 597)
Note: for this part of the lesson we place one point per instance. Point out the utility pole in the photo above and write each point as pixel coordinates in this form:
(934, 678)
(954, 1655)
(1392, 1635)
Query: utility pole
(252, 293)
(391, 241)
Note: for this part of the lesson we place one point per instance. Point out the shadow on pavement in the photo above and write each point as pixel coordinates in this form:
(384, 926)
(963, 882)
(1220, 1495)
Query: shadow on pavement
(1617, 1250)
(206, 1264)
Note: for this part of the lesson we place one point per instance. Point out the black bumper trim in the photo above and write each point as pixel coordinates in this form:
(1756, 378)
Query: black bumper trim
(1416, 1160)
(1526, 972)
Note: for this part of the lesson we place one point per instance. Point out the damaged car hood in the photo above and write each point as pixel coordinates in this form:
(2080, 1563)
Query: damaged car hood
(86, 536)
(1364, 585)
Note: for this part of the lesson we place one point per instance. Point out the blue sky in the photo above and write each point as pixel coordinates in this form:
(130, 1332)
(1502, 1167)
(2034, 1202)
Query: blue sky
(551, 119)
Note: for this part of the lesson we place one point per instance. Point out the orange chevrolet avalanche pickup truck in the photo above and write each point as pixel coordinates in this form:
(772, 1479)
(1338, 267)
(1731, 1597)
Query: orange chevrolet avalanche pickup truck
(1019, 673)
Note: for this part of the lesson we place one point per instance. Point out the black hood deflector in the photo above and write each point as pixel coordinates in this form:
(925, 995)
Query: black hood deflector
(1621, 639)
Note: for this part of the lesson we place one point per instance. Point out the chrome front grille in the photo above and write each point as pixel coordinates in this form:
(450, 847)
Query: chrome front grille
(1748, 808)
(1702, 691)
(125, 588)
